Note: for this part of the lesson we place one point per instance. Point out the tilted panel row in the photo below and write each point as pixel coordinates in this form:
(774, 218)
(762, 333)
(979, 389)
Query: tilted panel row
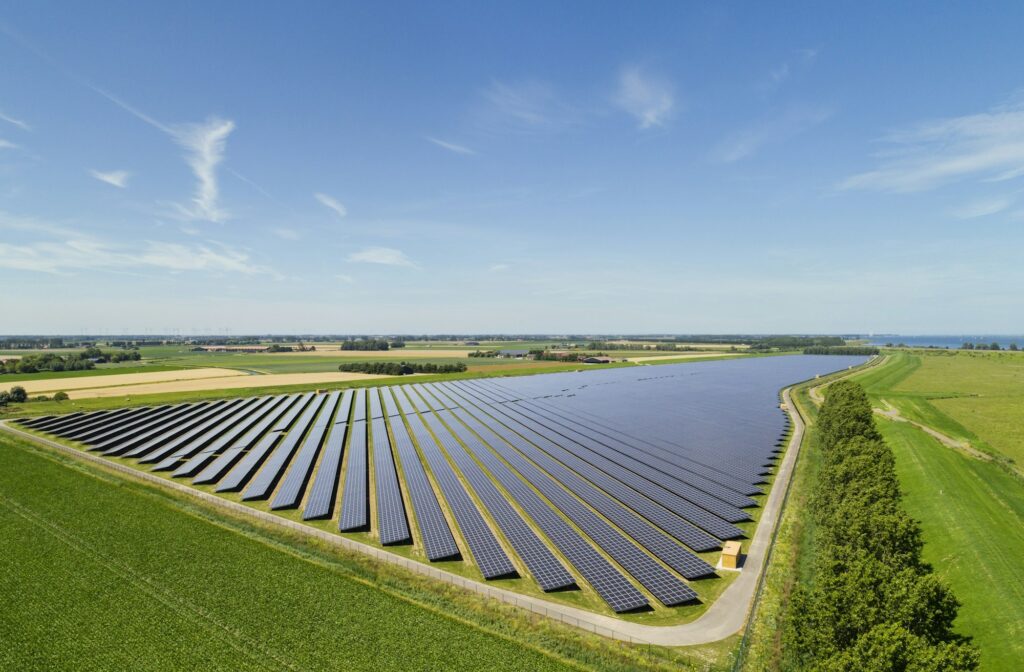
(669, 589)
(438, 542)
(325, 485)
(290, 494)
(392, 525)
(268, 477)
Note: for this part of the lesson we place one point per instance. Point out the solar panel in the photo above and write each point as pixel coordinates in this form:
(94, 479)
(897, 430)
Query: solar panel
(669, 589)
(359, 406)
(220, 466)
(615, 509)
(324, 490)
(198, 460)
(486, 551)
(614, 588)
(173, 429)
(391, 523)
(355, 508)
(266, 480)
(100, 434)
(117, 442)
(203, 435)
(165, 448)
(438, 542)
(290, 494)
(643, 479)
(253, 459)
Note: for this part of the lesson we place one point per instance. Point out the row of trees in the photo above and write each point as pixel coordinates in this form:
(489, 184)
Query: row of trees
(46, 362)
(841, 350)
(368, 344)
(871, 603)
(18, 395)
(991, 346)
(401, 368)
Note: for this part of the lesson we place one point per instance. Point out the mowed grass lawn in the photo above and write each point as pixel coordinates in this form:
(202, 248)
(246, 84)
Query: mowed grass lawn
(971, 510)
(97, 574)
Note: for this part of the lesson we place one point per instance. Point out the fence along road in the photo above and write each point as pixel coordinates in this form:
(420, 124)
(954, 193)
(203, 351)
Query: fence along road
(725, 617)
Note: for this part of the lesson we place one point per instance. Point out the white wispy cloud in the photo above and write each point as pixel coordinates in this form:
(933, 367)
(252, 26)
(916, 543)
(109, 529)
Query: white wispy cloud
(116, 178)
(779, 74)
(498, 268)
(286, 234)
(332, 203)
(89, 254)
(347, 279)
(646, 97)
(204, 145)
(387, 256)
(982, 208)
(987, 146)
(748, 141)
(451, 146)
(7, 144)
(16, 122)
(527, 107)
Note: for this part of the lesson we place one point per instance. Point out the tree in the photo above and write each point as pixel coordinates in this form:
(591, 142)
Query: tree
(18, 394)
(60, 396)
(5, 398)
(994, 346)
(1013, 346)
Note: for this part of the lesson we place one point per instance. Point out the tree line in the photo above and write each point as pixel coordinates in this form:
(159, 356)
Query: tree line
(841, 350)
(871, 602)
(401, 368)
(371, 344)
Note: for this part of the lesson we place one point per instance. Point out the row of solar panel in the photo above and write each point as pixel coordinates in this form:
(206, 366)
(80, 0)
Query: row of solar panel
(564, 488)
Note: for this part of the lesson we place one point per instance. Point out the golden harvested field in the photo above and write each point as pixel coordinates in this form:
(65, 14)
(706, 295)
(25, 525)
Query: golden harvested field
(231, 382)
(399, 353)
(119, 380)
(681, 355)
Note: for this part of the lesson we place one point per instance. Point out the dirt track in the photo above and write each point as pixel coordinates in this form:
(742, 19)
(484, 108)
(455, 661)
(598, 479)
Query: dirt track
(231, 382)
(119, 379)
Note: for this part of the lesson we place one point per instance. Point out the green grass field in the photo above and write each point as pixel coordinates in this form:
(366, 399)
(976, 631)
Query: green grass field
(112, 574)
(971, 510)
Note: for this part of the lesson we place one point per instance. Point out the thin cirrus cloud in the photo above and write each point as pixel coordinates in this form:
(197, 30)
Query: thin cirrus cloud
(386, 256)
(286, 234)
(646, 97)
(750, 140)
(115, 178)
(7, 144)
(982, 208)
(526, 107)
(987, 146)
(451, 146)
(332, 204)
(15, 122)
(89, 254)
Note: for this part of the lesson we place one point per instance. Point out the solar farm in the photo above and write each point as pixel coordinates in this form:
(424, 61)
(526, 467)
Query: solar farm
(621, 482)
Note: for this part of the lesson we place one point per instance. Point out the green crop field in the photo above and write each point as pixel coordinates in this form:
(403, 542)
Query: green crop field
(971, 510)
(170, 585)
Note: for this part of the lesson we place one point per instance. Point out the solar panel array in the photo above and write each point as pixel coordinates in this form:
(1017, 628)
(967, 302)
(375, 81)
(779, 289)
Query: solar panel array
(613, 481)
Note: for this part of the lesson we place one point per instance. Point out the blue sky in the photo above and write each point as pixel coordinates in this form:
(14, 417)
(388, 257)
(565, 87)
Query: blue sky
(538, 167)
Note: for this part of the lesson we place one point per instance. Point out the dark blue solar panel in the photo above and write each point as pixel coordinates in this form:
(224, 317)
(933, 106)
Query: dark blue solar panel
(253, 459)
(168, 431)
(290, 494)
(136, 425)
(391, 522)
(438, 542)
(220, 466)
(197, 461)
(614, 588)
(325, 486)
(669, 589)
(117, 442)
(355, 507)
(486, 551)
(205, 435)
(164, 448)
(267, 479)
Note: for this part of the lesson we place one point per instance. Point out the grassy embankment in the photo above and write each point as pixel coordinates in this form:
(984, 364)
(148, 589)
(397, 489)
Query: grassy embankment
(178, 585)
(970, 501)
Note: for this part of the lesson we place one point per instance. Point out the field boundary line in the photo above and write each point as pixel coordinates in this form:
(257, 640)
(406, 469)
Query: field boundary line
(726, 616)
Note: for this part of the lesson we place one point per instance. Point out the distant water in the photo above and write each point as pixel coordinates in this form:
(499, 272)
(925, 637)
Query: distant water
(951, 342)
